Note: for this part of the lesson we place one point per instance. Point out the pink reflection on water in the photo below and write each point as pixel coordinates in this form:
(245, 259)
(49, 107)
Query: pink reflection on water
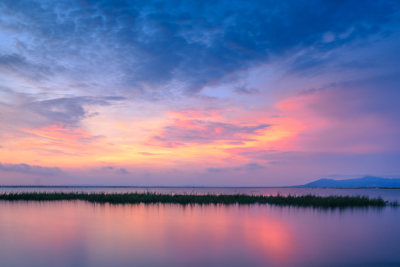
(269, 236)
(84, 234)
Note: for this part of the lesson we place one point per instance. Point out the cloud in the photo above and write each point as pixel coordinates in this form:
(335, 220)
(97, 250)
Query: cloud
(59, 134)
(257, 154)
(353, 117)
(252, 166)
(15, 63)
(150, 44)
(30, 169)
(112, 170)
(205, 132)
(243, 90)
(69, 110)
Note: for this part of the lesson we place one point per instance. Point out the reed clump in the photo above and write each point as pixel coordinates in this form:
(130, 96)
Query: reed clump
(185, 199)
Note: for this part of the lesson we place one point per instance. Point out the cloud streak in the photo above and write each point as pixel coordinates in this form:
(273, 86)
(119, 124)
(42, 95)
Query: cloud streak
(252, 166)
(205, 132)
(70, 110)
(30, 169)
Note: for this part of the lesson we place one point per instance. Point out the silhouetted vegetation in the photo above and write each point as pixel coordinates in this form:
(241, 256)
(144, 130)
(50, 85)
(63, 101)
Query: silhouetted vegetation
(184, 199)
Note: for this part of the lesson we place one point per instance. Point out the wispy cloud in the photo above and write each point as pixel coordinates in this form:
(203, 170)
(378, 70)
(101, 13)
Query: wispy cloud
(111, 170)
(204, 132)
(252, 166)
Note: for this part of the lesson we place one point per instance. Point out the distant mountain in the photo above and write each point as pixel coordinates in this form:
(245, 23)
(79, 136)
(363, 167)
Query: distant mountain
(367, 181)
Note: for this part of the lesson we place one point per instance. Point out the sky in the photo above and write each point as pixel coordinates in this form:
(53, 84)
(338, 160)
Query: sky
(198, 93)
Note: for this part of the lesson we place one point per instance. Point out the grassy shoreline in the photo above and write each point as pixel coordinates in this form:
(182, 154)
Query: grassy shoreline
(185, 199)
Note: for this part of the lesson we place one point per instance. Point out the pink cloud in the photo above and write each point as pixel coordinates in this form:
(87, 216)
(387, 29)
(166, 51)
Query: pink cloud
(340, 120)
(184, 132)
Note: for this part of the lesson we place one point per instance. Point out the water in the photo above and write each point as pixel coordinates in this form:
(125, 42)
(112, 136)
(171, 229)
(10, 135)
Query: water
(77, 233)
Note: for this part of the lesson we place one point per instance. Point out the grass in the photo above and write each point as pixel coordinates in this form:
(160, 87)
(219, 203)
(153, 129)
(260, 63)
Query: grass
(184, 199)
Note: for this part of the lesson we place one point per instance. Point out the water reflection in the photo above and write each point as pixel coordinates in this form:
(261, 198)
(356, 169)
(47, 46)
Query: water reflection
(83, 234)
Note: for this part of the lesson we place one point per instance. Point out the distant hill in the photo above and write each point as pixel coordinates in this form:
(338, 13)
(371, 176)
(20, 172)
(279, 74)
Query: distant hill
(367, 181)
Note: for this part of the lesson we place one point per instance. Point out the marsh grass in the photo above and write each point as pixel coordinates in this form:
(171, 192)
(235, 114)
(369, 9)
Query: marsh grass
(185, 199)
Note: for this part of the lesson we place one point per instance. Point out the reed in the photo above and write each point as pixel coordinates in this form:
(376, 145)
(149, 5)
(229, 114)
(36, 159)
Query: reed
(184, 199)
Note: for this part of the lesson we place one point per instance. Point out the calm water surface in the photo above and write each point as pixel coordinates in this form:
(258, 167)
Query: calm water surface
(84, 234)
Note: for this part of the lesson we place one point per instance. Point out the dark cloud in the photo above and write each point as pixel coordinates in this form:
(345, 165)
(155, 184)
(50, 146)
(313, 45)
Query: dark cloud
(69, 110)
(203, 132)
(15, 63)
(153, 43)
(12, 60)
(244, 90)
(30, 169)
(112, 170)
